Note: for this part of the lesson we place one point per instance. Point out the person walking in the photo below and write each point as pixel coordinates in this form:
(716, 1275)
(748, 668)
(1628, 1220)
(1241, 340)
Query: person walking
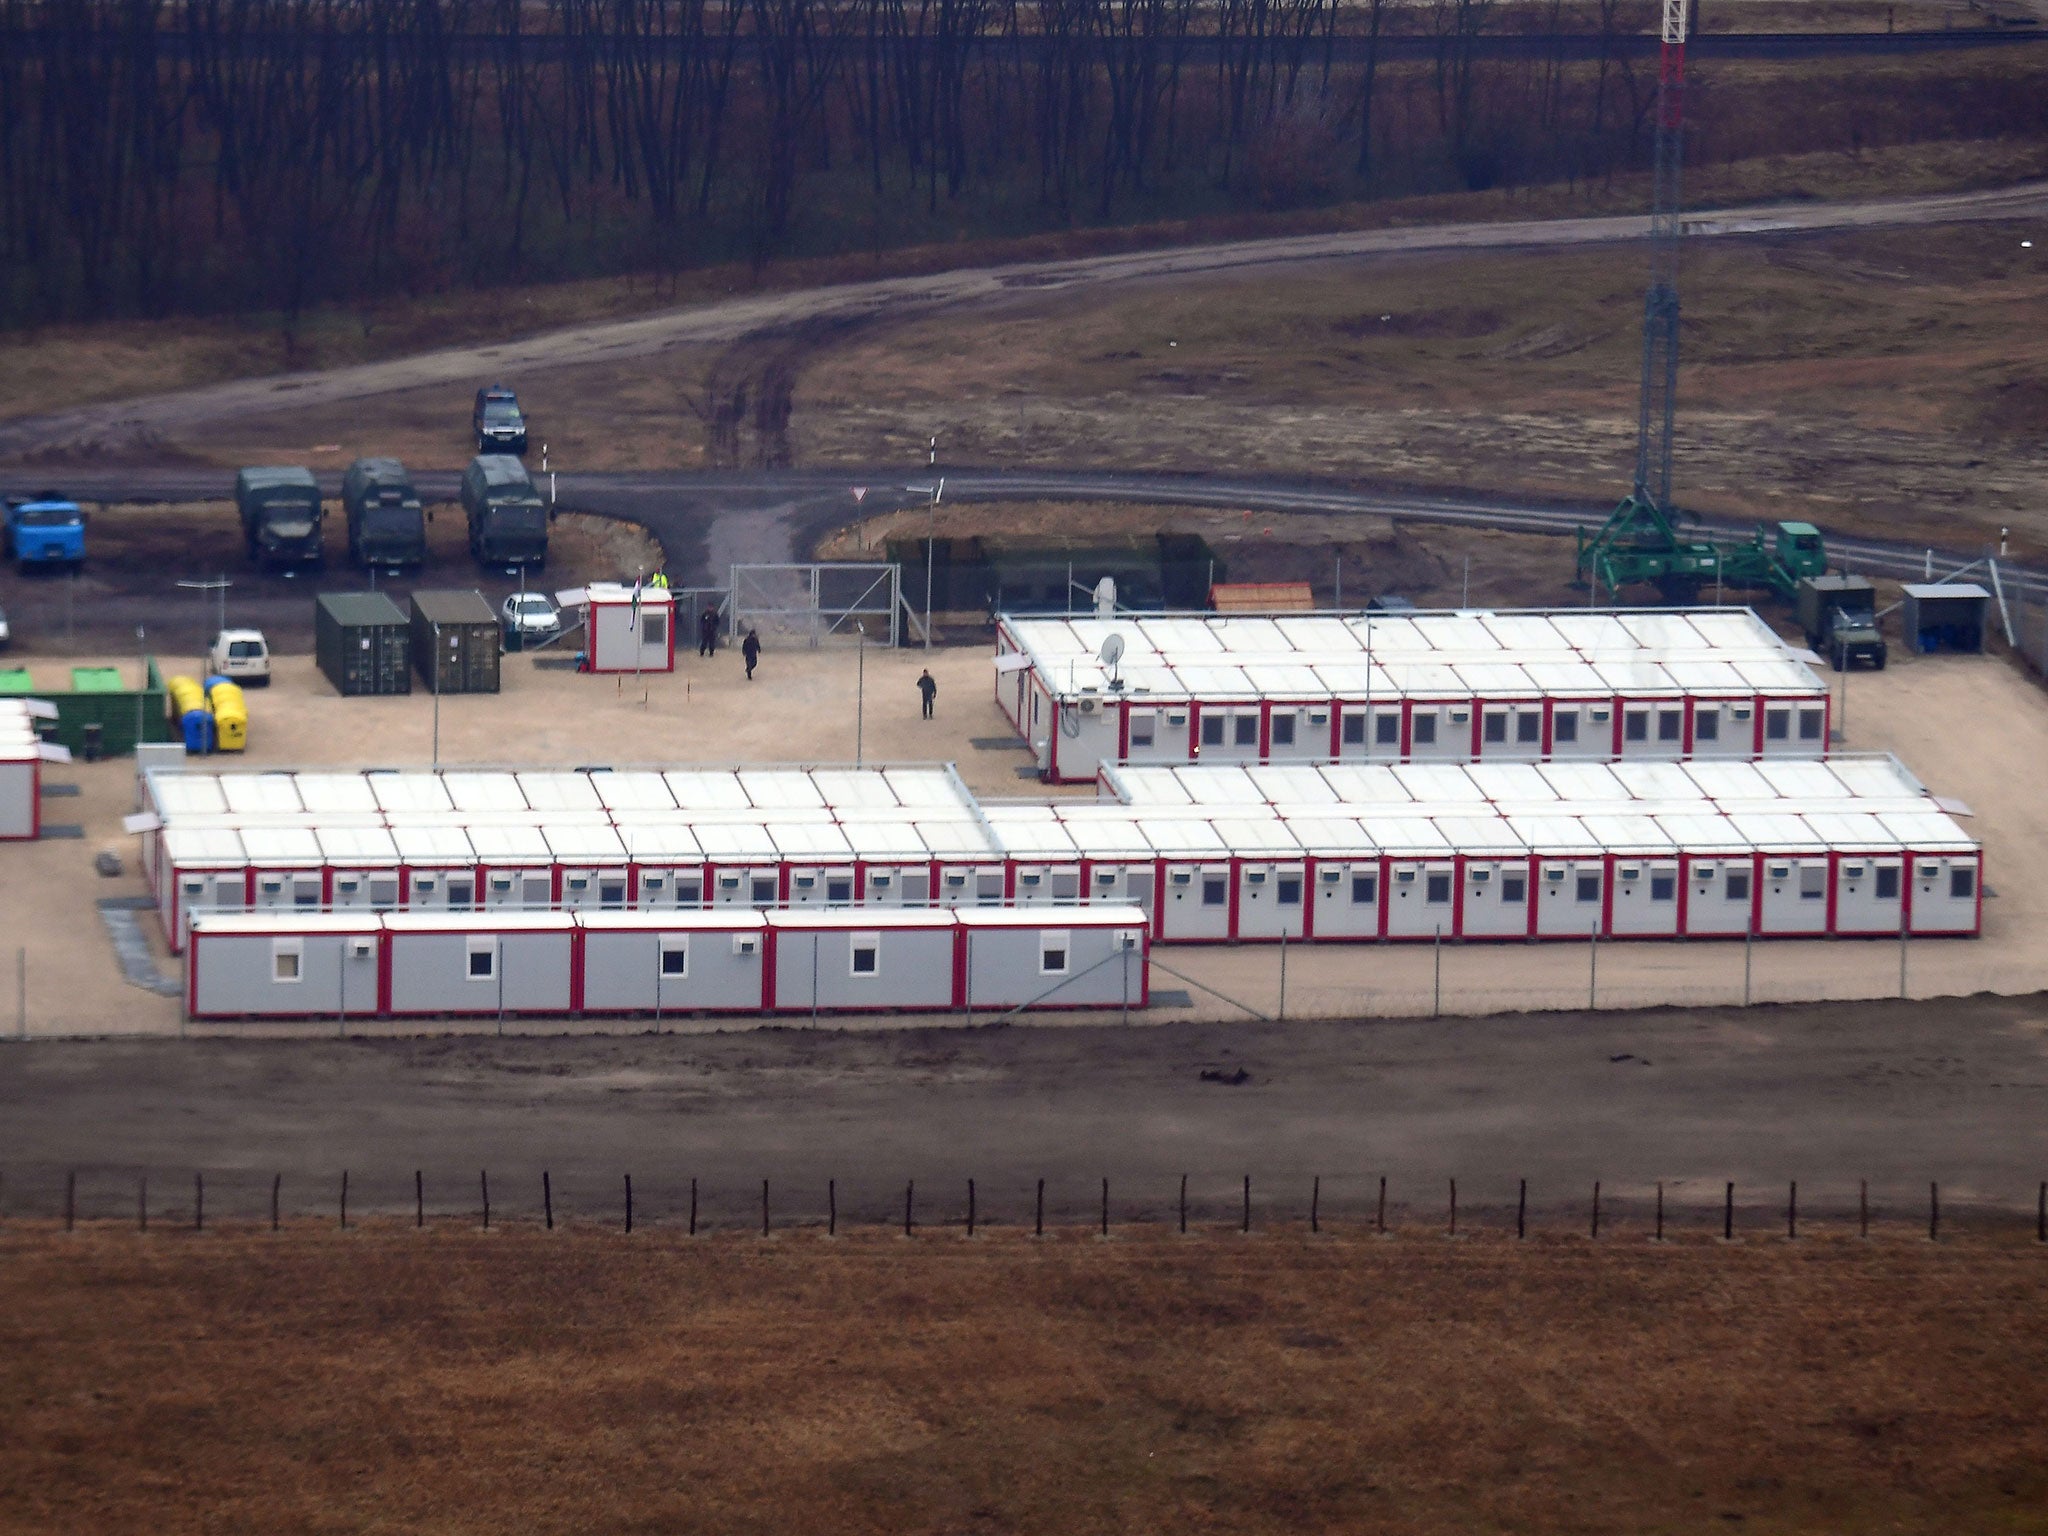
(928, 689)
(707, 633)
(751, 649)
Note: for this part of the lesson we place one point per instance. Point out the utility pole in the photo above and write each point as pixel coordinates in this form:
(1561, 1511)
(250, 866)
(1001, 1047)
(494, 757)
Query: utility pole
(1658, 403)
(437, 694)
(860, 694)
(931, 529)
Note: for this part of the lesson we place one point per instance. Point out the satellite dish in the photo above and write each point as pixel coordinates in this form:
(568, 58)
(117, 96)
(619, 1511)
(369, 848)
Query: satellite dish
(1111, 653)
(1105, 598)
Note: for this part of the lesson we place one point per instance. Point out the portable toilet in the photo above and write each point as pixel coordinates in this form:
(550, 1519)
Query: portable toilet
(230, 714)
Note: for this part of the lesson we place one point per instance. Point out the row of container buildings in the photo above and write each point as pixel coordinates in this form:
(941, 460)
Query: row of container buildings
(23, 751)
(370, 965)
(1341, 852)
(1442, 687)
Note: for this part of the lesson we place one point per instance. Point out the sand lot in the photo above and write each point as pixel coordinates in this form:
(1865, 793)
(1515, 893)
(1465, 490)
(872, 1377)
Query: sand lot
(1972, 728)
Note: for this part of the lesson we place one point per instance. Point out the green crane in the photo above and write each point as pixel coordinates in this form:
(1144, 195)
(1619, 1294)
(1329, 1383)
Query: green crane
(1641, 541)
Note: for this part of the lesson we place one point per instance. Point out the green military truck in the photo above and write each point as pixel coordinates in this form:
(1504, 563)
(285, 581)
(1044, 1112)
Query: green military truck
(280, 510)
(508, 522)
(385, 524)
(1839, 615)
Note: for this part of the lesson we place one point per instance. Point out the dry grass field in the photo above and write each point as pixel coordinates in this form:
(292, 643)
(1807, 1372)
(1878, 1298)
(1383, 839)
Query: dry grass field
(386, 1380)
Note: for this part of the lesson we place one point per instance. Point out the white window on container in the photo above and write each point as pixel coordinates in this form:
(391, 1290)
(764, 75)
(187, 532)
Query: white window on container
(1887, 882)
(1365, 890)
(1810, 724)
(287, 960)
(1635, 725)
(654, 630)
(764, 890)
(1212, 730)
(675, 956)
(1424, 730)
(1813, 882)
(1386, 729)
(1589, 888)
(1736, 886)
(460, 892)
(1283, 730)
(1142, 729)
(1496, 726)
(1670, 724)
(1514, 890)
(1663, 886)
(384, 892)
(1287, 890)
(688, 893)
(988, 889)
(1528, 728)
(864, 954)
(1962, 882)
(1245, 731)
(1052, 953)
(839, 889)
(1215, 891)
(1706, 725)
(1564, 727)
(483, 959)
(1438, 891)
(1777, 724)
(1354, 730)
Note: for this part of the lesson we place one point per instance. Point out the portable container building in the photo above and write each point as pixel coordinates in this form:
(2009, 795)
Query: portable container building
(363, 643)
(480, 963)
(656, 963)
(1083, 957)
(627, 629)
(1411, 688)
(861, 961)
(455, 642)
(21, 787)
(1946, 616)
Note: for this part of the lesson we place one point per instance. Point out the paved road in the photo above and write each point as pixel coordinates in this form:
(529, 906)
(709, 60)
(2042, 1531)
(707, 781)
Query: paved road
(1899, 1094)
(138, 427)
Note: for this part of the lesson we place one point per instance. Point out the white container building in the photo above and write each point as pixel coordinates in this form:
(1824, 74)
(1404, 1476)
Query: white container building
(285, 964)
(1335, 852)
(627, 629)
(1445, 687)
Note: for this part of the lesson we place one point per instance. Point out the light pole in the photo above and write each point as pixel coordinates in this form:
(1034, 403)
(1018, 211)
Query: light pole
(934, 490)
(437, 693)
(219, 588)
(141, 682)
(860, 693)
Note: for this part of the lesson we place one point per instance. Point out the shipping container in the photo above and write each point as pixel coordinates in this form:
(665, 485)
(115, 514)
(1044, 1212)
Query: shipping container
(456, 635)
(364, 643)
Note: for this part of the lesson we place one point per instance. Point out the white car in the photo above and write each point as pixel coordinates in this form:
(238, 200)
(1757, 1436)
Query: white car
(532, 616)
(240, 655)
(6, 634)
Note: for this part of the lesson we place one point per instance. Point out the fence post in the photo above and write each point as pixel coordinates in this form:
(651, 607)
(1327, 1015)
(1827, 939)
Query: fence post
(1247, 1202)
(909, 1207)
(1381, 1225)
(1728, 1216)
(21, 993)
(70, 1199)
(1933, 1212)
(419, 1198)
(1902, 955)
(629, 1204)
(831, 1207)
(1282, 1010)
(970, 1207)
(1315, 1205)
(1792, 1212)
(764, 1207)
(1660, 1212)
(344, 1199)
(1522, 1210)
(1183, 1205)
(1596, 1210)
(1436, 992)
(2041, 1215)
(142, 1204)
(1863, 1208)
(547, 1199)
(1105, 1207)
(1039, 1229)
(276, 1190)
(1593, 970)
(484, 1178)
(1748, 958)
(199, 1202)
(1453, 1231)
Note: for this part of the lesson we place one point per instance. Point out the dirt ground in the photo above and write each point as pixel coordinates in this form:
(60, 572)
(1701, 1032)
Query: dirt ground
(808, 706)
(577, 1381)
(136, 554)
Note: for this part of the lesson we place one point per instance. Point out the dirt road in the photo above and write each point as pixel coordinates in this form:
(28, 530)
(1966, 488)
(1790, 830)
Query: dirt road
(1900, 1094)
(141, 428)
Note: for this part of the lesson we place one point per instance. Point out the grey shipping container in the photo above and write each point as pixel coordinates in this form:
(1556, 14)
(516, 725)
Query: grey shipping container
(364, 643)
(457, 634)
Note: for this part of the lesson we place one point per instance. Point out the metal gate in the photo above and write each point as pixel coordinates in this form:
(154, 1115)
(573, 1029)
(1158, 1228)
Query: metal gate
(818, 602)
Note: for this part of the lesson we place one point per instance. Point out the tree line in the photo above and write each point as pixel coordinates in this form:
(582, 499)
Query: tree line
(171, 156)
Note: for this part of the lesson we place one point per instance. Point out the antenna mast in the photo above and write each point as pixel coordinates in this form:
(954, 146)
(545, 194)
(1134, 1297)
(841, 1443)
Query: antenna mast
(1660, 305)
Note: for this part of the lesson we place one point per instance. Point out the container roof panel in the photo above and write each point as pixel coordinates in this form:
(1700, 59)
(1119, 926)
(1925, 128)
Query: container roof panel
(925, 786)
(1729, 781)
(810, 840)
(954, 839)
(1368, 784)
(726, 841)
(664, 839)
(432, 843)
(1524, 632)
(1594, 635)
(1635, 677)
(281, 845)
(1851, 829)
(1425, 680)
(189, 847)
(1465, 632)
(1182, 637)
(1219, 786)
(1656, 781)
(1440, 783)
(1624, 833)
(1257, 837)
(1496, 680)
(340, 793)
(1152, 684)
(1564, 836)
(1802, 780)
(1330, 836)
(409, 792)
(1522, 783)
(1286, 680)
(595, 843)
(1385, 635)
(633, 789)
(1045, 637)
(1397, 835)
(1294, 783)
(1359, 680)
(1877, 777)
(1924, 830)
(356, 845)
(1776, 832)
(1480, 834)
(1706, 676)
(1251, 635)
(772, 789)
(1319, 635)
(559, 791)
(1182, 837)
(484, 792)
(261, 793)
(874, 838)
(187, 794)
(1664, 632)
(1568, 677)
(505, 842)
(854, 788)
(1209, 681)
(1105, 832)
(1026, 837)
(1094, 915)
(706, 789)
(718, 919)
(1147, 786)
(1785, 675)
(1734, 629)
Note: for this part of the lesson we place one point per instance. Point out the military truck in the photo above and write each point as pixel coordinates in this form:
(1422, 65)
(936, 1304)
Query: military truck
(280, 508)
(1839, 615)
(508, 523)
(385, 525)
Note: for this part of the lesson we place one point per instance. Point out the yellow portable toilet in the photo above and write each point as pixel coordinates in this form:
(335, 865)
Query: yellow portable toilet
(230, 716)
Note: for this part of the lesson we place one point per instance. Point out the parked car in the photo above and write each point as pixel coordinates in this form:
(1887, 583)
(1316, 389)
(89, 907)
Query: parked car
(530, 618)
(497, 423)
(6, 634)
(241, 656)
(45, 532)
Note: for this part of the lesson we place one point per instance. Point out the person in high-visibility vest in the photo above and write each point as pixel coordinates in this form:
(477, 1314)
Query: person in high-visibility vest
(659, 579)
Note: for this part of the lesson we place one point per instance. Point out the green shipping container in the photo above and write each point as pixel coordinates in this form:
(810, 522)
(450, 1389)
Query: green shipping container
(363, 641)
(456, 635)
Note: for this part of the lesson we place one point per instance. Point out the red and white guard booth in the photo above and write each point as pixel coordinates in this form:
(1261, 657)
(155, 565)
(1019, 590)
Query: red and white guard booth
(626, 629)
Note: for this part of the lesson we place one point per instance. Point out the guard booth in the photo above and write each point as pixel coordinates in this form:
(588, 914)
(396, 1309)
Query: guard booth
(626, 629)
(1945, 616)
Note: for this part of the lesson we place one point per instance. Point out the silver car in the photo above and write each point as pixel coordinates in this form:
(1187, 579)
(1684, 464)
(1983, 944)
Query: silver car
(532, 616)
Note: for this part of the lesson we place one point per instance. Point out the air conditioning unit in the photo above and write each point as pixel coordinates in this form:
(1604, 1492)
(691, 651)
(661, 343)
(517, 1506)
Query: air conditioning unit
(1740, 711)
(1176, 717)
(1481, 876)
(361, 948)
(745, 943)
(1461, 717)
(880, 882)
(1629, 872)
(1598, 716)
